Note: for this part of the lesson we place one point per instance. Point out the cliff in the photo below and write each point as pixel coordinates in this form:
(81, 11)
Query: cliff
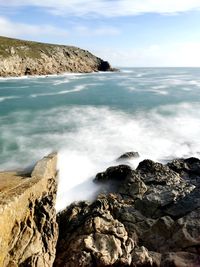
(18, 58)
(28, 225)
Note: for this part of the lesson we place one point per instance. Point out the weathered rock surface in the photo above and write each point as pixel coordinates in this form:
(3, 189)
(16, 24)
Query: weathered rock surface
(28, 228)
(19, 58)
(151, 218)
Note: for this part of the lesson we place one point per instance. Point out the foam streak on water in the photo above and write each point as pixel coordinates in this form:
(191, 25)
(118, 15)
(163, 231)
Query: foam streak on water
(91, 119)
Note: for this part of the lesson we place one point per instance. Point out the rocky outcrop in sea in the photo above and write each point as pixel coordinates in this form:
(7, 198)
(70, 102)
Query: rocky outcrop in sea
(19, 58)
(149, 216)
(146, 217)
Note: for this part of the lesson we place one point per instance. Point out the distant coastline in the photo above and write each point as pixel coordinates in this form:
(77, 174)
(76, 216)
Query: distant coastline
(25, 58)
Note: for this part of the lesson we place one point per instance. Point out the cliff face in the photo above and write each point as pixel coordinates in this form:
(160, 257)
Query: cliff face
(28, 225)
(18, 58)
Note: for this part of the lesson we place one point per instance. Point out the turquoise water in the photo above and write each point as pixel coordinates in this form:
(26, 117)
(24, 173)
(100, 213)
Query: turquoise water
(90, 119)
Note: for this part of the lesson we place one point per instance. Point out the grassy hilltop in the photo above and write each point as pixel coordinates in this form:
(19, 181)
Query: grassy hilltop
(19, 57)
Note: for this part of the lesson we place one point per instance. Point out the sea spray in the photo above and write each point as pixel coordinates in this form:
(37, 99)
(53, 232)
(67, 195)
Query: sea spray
(91, 119)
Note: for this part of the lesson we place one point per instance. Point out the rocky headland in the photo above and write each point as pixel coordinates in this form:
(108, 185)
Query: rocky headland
(19, 58)
(149, 216)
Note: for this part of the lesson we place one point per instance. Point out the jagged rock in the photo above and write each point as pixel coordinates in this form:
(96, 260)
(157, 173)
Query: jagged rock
(28, 225)
(189, 169)
(19, 58)
(180, 259)
(128, 155)
(96, 239)
(187, 232)
(151, 218)
(141, 257)
(156, 173)
(133, 186)
(116, 173)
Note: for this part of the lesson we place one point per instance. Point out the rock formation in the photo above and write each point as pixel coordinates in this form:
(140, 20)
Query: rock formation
(148, 217)
(28, 228)
(19, 58)
(151, 217)
(129, 155)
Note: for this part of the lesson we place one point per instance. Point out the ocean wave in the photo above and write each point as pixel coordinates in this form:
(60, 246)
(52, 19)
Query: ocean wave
(4, 98)
(77, 88)
(89, 139)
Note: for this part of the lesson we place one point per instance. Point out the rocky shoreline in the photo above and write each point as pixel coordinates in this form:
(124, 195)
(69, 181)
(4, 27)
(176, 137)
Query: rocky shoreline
(22, 58)
(144, 217)
(150, 217)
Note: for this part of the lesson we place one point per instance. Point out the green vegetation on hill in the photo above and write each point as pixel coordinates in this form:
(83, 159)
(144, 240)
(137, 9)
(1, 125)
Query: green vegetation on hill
(19, 57)
(27, 48)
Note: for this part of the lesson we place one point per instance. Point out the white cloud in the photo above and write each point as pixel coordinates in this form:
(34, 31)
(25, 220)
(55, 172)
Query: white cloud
(108, 8)
(173, 55)
(13, 29)
(99, 31)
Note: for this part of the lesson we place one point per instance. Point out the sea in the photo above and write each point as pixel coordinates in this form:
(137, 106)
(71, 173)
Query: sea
(92, 119)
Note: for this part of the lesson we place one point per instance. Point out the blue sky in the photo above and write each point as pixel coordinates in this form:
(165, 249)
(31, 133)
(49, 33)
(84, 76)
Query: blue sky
(124, 32)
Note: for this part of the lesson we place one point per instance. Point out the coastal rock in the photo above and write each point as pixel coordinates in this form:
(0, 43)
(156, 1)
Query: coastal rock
(90, 236)
(180, 259)
(129, 155)
(116, 173)
(151, 218)
(189, 169)
(28, 225)
(18, 58)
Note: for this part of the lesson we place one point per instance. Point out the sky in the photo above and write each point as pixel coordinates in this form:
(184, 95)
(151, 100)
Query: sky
(130, 33)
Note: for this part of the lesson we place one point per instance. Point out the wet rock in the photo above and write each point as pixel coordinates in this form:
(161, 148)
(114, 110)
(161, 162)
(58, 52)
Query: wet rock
(116, 173)
(128, 155)
(157, 173)
(189, 169)
(133, 186)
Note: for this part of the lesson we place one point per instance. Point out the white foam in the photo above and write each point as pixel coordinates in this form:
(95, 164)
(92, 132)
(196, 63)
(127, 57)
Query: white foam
(58, 82)
(13, 78)
(89, 139)
(194, 82)
(77, 88)
(96, 146)
(8, 98)
(127, 71)
(95, 137)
